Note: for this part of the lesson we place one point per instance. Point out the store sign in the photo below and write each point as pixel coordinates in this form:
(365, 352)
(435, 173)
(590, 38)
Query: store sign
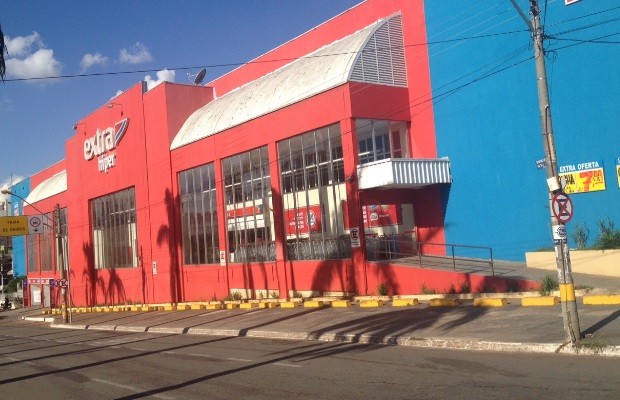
(303, 220)
(583, 177)
(103, 143)
(381, 215)
(618, 170)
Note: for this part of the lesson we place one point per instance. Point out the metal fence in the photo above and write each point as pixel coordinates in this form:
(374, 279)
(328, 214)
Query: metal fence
(427, 254)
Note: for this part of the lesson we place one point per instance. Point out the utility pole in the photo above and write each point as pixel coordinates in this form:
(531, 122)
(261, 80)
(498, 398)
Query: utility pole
(562, 256)
(61, 261)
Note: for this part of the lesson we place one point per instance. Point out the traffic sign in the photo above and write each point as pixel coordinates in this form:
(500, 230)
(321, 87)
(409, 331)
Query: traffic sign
(13, 226)
(35, 224)
(562, 207)
(52, 282)
(62, 283)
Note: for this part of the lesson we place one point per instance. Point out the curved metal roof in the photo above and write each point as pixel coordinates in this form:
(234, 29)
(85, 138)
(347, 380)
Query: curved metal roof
(317, 72)
(48, 188)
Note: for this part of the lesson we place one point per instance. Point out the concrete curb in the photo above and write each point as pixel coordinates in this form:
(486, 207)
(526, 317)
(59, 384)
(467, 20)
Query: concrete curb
(442, 343)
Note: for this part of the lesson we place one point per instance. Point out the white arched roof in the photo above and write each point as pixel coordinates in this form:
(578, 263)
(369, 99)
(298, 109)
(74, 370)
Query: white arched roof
(317, 72)
(48, 188)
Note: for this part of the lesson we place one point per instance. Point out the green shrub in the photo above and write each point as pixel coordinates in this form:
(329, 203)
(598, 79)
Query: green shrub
(382, 289)
(609, 238)
(547, 285)
(427, 290)
(580, 235)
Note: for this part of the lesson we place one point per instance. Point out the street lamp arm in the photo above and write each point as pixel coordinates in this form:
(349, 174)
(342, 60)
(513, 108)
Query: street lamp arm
(8, 192)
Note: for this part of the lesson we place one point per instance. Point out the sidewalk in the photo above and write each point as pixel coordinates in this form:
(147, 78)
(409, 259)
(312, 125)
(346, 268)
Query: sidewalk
(510, 328)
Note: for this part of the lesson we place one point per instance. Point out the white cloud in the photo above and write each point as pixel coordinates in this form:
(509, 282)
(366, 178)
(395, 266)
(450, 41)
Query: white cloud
(139, 53)
(22, 45)
(165, 75)
(92, 59)
(28, 58)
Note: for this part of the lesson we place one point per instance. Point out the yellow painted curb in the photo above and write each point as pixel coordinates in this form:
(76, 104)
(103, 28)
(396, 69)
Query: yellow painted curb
(404, 302)
(135, 308)
(601, 299)
(214, 306)
(313, 304)
(484, 302)
(289, 304)
(232, 306)
(247, 306)
(371, 303)
(341, 303)
(169, 308)
(182, 307)
(540, 301)
(268, 304)
(444, 302)
(197, 306)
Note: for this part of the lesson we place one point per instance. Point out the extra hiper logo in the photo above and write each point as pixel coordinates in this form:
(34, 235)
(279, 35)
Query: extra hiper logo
(105, 140)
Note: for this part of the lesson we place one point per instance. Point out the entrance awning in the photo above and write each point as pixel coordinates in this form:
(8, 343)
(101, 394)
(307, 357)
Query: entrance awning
(392, 173)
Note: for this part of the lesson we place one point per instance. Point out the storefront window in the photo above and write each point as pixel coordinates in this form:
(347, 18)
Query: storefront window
(64, 234)
(39, 248)
(115, 237)
(199, 215)
(312, 173)
(378, 140)
(249, 217)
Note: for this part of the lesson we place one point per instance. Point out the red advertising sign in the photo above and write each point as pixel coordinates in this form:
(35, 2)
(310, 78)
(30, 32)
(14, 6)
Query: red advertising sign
(303, 220)
(243, 212)
(376, 215)
(381, 215)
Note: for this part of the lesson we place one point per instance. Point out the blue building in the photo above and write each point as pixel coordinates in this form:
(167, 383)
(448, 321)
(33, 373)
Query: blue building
(21, 189)
(487, 118)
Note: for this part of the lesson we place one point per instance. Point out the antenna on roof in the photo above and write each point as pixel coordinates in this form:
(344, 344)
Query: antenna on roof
(198, 77)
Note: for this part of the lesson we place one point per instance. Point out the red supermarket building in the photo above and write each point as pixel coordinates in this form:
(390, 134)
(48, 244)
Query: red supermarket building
(293, 175)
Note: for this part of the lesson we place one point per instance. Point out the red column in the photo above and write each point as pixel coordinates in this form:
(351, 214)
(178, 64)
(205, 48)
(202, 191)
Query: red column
(278, 213)
(351, 161)
(221, 216)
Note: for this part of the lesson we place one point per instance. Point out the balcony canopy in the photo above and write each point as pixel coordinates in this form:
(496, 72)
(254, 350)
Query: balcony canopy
(374, 54)
(392, 173)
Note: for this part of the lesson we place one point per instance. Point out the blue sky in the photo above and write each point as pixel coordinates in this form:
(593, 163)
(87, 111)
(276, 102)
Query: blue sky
(90, 37)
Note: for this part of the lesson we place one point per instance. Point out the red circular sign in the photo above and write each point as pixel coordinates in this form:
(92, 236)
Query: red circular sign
(562, 207)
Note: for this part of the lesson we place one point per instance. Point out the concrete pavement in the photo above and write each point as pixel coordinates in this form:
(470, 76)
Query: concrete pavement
(510, 328)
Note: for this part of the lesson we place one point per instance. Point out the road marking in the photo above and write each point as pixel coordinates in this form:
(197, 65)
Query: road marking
(131, 388)
(20, 361)
(287, 365)
(136, 349)
(239, 359)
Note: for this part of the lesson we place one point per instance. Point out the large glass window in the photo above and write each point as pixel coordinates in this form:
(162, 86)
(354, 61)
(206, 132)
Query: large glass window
(115, 237)
(199, 215)
(248, 206)
(378, 140)
(312, 173)
(39, 247)
(64, 235)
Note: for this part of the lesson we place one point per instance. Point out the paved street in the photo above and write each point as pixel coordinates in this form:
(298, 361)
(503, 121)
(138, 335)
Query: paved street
(40, 362)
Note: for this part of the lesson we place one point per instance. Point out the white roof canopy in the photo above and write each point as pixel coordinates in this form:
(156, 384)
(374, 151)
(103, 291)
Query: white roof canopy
(374, 54)
(48, 188)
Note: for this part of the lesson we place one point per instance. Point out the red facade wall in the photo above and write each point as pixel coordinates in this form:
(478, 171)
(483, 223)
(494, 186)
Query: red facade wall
(144, 161)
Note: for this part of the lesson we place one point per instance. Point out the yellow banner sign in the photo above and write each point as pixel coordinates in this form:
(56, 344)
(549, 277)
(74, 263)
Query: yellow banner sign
(591, 180)
(618, 173)
(14, 226)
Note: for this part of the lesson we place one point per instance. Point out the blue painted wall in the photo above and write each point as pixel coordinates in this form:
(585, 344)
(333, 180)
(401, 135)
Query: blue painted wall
(487, 117)
(22, 189)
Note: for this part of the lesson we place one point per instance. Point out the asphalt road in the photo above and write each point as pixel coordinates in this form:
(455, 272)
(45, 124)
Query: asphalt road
(41, 362)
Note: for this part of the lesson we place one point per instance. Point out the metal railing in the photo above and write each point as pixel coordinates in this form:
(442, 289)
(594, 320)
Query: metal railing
(402, 246)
